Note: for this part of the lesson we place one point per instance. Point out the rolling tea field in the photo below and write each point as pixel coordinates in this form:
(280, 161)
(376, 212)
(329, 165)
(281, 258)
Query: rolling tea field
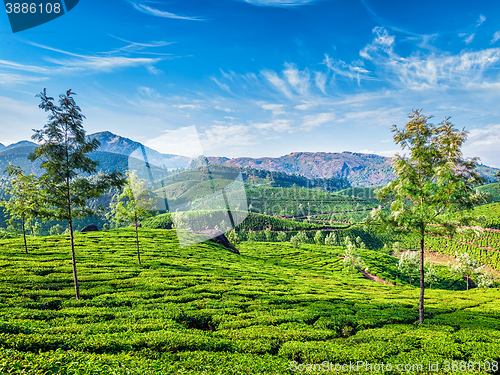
(205, 310)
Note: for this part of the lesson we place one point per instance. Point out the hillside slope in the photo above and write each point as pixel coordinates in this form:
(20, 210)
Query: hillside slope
(359, 169)
(203, 309)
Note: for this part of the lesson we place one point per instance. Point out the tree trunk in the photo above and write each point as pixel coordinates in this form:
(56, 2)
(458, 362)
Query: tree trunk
(24, 236)
(73, 260)
(467, 281)
(422, 281)
(137, 240)
(73, 255)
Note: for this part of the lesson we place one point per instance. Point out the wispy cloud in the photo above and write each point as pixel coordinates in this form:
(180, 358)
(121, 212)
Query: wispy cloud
(98, 62)
(277, 82)
(277, 109)
(342, 69)
(142, 7)
(496, 37)
(278, 125)
(468, 38)
(15, 79)
(23, 67)
(480, 20)
(430, 71)
(313, 121)
(220, 136)
(280, 3)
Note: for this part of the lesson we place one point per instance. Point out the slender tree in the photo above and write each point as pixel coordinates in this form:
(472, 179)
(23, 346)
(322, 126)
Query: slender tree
(466, 267)
(134, 204)
(319, 238)
(352, 261)
(63, 148)
(409, 264)
(431, 275)
(331, 240)
(25, 202)
(432, 181)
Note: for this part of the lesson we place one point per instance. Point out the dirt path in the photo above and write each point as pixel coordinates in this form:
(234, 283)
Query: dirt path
(369, 276)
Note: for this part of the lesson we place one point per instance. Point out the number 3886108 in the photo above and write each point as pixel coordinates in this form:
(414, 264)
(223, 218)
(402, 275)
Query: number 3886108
(33, 8)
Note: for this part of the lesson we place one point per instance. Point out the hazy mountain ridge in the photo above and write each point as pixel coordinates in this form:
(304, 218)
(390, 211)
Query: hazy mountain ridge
(120, 145)
(359, 169)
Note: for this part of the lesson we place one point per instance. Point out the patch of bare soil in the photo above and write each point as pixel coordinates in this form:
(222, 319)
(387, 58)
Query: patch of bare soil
(369, 276)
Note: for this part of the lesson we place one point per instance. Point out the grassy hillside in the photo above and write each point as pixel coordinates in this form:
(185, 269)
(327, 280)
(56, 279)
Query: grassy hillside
(492, 189)
(203, 309)
(491, 213)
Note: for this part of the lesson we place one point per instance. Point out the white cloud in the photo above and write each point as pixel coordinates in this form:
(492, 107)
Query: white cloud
(496, 37)
(103, 62)
(223, 86)
(312, 121)
(306, 105)
(228, 110)
(278, 125)
(480, 20)
(23, 67)
(431, 71)
(387, 153)
(320, 80)
(220, 136)
(297, 79)
(183, 141)
(279, 3)
(16, 79)
(468, 38)
(141, 7)
(383, 42)
(187, 106)
(277, 109)
(277, 82)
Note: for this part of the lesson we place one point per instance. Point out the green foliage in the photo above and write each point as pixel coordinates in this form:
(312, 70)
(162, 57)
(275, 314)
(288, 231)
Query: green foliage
(485, 280)
(431, 275)
(352, 261)
(409, 264)
(63, 149)
(204, 309)
(466, 267)
(319, 238)
(26, 200)
(133, 204)
(56, 229)
(433, 182)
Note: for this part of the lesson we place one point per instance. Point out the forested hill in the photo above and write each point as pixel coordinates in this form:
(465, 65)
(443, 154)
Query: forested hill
(124, 146)
(359, 169)
(356, 168)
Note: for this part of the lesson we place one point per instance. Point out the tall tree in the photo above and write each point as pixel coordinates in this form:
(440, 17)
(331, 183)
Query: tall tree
(432, 181)
(63, 148)
(135, 203)
(25, 202)
(352, 261)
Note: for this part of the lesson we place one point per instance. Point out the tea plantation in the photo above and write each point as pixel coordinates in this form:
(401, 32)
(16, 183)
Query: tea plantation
(205, 310)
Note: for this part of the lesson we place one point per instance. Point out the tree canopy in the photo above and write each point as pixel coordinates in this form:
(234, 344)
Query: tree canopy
(433, 181)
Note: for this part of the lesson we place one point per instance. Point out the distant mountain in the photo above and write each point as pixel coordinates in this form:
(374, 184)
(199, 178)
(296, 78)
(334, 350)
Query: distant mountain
(124, 146)
(108, 161)
(359, 169)
(16, 145)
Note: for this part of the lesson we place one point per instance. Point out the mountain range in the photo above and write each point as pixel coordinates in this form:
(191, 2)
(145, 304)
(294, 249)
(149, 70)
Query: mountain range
(114, 153)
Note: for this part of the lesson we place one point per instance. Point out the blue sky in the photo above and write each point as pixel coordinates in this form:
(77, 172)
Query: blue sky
(261, 77)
